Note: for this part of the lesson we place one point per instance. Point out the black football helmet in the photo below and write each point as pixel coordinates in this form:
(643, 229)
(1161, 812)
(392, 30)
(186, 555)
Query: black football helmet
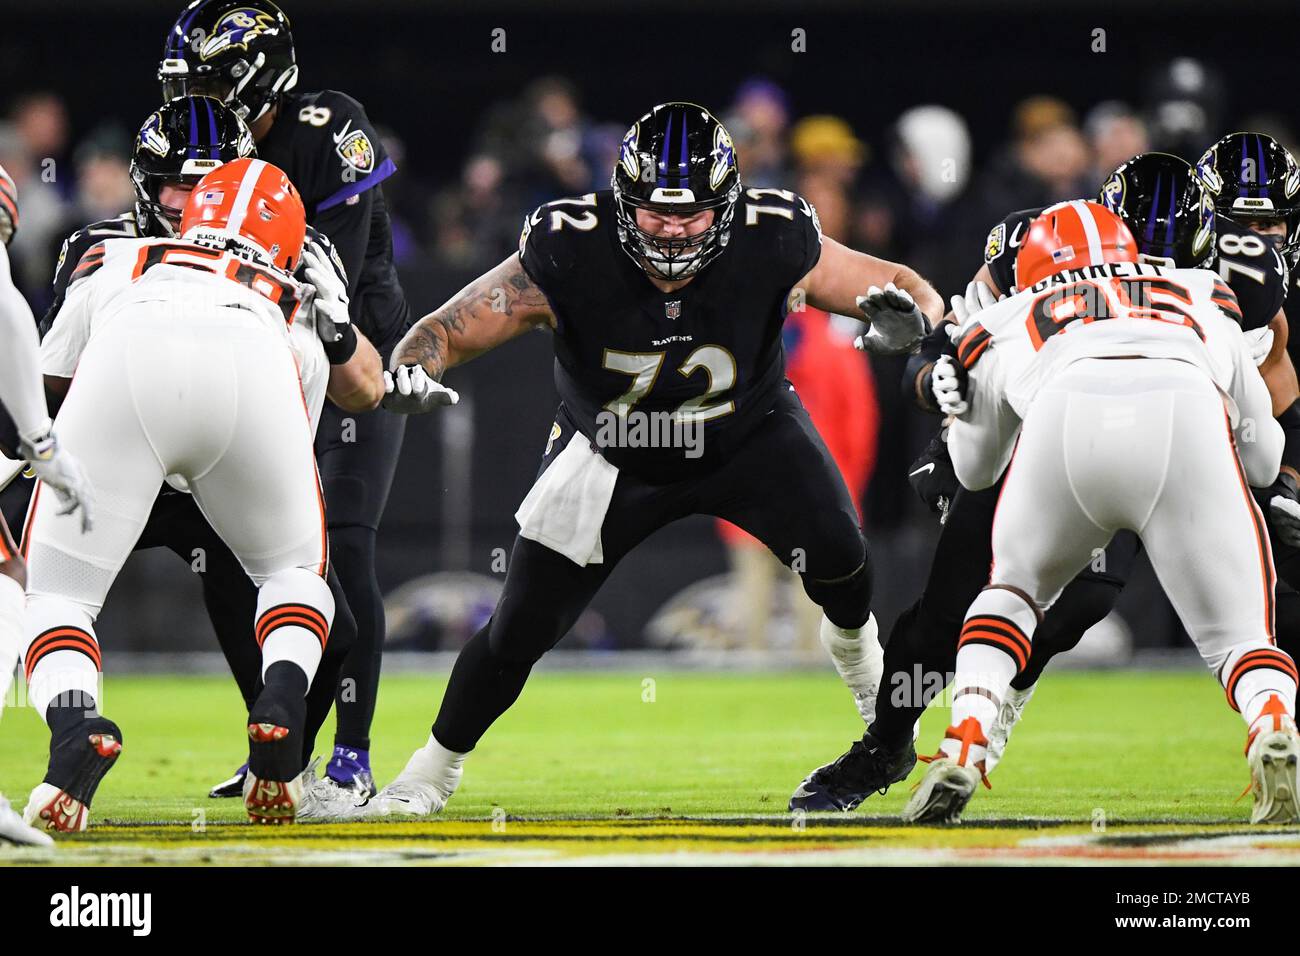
(677, 159)
(1166, 206)
(1251, 177)
(180, 142)
(240, 51)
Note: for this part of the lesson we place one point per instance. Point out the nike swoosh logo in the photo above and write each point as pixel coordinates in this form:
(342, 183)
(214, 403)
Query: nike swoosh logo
(924, 469)
(339, 136)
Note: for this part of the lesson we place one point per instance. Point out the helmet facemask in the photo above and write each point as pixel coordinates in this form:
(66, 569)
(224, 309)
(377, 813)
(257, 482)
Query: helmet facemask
(678, 257)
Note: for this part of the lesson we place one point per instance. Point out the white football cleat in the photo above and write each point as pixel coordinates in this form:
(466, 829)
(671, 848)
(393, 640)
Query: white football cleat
(1274, 758)
(423, 787)
(323, 798)
(1009, 714)
(408, 798)
(54, 809)
(950, 782)
(14, 830)
(943, 793)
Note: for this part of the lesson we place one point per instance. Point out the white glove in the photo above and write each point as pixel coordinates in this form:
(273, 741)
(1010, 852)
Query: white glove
(1286, 519)
(329, 303)
(1260, 342)
(410, 391)
(977, 298)
(63, 473)
(949, 387)
(897, 325)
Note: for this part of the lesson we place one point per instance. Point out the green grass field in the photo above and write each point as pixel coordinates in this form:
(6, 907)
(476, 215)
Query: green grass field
(1111, 765)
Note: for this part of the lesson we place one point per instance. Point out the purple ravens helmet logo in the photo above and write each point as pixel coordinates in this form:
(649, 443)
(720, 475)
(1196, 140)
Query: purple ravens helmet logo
(152, 137)
(1112, 194)
(724, 156)
(627, 152)
(1208, 175)
(235, 29)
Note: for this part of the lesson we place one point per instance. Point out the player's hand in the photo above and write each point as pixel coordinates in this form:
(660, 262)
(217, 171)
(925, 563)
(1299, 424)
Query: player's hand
(1284, 509)
(410, 391)
(62, 472)
(897, 324)
(977, 298)
(949, 381)
(1260, 342)
(329, 303)
(933, 478)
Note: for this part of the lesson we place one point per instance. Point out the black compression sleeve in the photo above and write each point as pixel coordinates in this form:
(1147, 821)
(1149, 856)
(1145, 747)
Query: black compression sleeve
(1290, 422)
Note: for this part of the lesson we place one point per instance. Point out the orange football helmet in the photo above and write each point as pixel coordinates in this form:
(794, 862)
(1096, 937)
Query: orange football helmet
(1071, 235)
(252, 203)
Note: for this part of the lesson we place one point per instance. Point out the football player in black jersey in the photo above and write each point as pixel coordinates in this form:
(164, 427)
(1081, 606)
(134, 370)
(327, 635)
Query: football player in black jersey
(1171, 214)
(242, 52)
(1256, 185)
(666, 297)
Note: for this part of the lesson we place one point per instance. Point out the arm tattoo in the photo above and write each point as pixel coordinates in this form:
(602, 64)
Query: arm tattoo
(482, 315)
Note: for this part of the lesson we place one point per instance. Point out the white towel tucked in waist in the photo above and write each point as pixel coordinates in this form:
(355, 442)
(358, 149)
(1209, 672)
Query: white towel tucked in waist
(566, 506)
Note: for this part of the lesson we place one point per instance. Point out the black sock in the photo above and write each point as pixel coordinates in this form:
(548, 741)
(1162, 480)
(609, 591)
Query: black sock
(68, 710)
(352, 551)
(480, 690)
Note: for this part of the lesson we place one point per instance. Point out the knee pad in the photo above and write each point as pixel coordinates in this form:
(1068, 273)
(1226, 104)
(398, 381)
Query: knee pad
(845, 601)
(352, 550)
(294, 612)
(835, 548)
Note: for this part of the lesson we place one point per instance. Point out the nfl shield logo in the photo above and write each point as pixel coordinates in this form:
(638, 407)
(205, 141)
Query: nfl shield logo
(673, 309)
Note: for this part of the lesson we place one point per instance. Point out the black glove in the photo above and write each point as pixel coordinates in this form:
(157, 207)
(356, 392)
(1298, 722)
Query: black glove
(933, 478)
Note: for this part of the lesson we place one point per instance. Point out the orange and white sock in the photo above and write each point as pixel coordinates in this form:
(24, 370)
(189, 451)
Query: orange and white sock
(993, 648)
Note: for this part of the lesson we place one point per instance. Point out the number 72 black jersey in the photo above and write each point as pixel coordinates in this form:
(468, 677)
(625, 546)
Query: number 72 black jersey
(630, 358)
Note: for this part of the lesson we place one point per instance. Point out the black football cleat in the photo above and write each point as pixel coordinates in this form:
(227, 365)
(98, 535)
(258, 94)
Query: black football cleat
(79, 758)
(234, 787)
(867, 767)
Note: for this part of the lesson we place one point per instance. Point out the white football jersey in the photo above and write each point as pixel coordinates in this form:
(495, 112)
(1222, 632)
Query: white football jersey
(116, 275)
(1107, 311)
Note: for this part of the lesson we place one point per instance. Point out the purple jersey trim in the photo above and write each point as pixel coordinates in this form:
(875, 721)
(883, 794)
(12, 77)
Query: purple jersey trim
(386, 169)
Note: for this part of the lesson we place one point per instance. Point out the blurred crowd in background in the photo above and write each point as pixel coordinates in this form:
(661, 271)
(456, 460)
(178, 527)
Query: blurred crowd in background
(916, 192)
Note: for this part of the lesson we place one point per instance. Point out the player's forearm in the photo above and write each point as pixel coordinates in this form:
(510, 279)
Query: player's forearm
(20, 364)
(924, 294)
(1280, 377)
(495, 308)
(842, 274)
(357, 385)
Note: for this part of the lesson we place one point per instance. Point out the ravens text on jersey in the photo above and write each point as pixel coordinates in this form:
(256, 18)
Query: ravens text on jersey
(703, 362)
